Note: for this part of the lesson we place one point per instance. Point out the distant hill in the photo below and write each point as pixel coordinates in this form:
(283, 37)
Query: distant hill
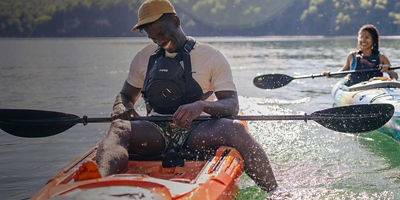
(114, 18)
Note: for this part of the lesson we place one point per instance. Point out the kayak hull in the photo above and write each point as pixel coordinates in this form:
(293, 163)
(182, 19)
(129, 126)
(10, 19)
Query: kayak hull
(376, 91)
(212, 178)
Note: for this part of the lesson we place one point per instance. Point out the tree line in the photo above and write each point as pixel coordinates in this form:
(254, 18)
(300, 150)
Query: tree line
(114, 18)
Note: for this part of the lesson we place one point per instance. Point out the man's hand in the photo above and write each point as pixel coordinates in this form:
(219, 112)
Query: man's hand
(185, 114)
(124, 102)
(119, 112)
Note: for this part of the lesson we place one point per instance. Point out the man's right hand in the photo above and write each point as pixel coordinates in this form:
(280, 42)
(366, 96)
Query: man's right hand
(119, 112)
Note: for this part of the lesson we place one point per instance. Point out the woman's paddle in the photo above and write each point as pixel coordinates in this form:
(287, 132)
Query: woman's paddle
(349, 119)
(272, 81)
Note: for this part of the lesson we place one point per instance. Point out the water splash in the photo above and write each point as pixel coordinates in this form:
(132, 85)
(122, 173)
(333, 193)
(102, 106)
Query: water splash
(284, 102)
(311, 162)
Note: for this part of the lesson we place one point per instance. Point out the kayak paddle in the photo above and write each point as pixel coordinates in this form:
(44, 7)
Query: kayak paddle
(273, 81)
(349, 119)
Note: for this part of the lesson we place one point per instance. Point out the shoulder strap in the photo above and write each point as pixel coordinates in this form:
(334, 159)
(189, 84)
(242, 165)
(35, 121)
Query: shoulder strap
(186, 56)
(152, 60)
(189, 44)
(193, 89)
(353, 62)
(150, 65)
(378, 58)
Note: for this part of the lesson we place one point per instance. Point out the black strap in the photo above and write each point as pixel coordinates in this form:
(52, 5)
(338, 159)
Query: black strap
(189, 44)
(186, 56)
(173, 159)
(150, 65)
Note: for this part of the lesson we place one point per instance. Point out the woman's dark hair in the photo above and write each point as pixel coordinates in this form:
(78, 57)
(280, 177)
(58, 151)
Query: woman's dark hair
(375, 36)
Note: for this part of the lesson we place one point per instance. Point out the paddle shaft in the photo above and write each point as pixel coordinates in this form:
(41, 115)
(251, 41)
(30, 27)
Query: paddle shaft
(85, 120)
(341, 73)
(351, 119)
(304, 117)
(273, 81)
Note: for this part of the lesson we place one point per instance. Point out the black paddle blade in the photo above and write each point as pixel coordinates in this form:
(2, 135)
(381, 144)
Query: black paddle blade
(355, 118)
(271, 81)
(35, 123)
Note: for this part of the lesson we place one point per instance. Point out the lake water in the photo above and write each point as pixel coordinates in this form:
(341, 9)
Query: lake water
(83, 75)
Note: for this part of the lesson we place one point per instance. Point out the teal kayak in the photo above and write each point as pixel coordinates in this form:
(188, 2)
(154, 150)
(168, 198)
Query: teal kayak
(381, 90)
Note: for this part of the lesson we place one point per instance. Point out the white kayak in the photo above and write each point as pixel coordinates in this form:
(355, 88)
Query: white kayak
(381, 90)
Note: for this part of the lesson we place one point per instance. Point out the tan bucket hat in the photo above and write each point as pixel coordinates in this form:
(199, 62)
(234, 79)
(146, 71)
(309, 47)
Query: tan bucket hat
(151, 10)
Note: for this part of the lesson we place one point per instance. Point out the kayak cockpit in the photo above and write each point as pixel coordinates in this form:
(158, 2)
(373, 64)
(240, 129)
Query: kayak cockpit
(373, 84)
(201, 177)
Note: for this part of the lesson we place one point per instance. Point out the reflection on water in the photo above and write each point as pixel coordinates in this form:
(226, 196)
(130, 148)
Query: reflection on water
(284, 101)
(82, 76)
(311, 162)
(383, 146)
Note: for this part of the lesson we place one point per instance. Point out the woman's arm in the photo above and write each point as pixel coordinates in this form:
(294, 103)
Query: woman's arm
(384, 66)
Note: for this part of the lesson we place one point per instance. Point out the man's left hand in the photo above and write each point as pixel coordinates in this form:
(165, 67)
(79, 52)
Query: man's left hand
(185, 114)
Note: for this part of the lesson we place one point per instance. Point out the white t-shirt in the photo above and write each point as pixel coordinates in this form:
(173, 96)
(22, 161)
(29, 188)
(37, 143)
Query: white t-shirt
(209, 66)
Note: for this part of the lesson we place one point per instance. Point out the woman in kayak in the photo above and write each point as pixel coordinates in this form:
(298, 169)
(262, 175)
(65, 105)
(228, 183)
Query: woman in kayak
(366, 56)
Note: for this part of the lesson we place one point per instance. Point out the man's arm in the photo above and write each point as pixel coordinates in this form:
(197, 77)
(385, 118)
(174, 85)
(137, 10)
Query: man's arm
(226, 105)
(125, 100)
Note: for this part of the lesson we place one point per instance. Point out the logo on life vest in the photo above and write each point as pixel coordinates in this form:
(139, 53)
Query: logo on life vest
(363, 60)
(163, 70)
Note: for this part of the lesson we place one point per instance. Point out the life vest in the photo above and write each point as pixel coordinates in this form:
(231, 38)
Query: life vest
(168, 84)
(361, 62)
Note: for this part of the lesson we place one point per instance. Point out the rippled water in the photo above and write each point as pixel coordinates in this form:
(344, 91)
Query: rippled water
(82, 76)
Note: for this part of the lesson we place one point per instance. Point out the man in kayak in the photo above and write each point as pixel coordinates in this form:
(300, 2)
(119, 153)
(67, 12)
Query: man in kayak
(366, 56)
(176, 76)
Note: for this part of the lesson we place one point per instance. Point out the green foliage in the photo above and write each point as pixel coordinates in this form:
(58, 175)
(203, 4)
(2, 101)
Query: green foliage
(396, 17)
(233, 13)
(344, 15)
(21, 18)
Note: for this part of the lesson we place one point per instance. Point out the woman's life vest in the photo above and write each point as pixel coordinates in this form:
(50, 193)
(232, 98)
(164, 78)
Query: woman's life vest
(168, 84)
(361, 62)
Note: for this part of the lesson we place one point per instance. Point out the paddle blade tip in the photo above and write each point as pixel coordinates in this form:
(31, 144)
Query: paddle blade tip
(35, 123)
(357, 118)
(271, 81)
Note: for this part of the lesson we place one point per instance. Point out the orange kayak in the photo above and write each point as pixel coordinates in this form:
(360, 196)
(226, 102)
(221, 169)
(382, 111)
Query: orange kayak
(209, 178)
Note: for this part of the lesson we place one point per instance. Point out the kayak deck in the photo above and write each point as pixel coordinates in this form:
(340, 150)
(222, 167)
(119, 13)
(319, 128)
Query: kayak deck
(366, 85)
(213, 178)
(368, 92)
